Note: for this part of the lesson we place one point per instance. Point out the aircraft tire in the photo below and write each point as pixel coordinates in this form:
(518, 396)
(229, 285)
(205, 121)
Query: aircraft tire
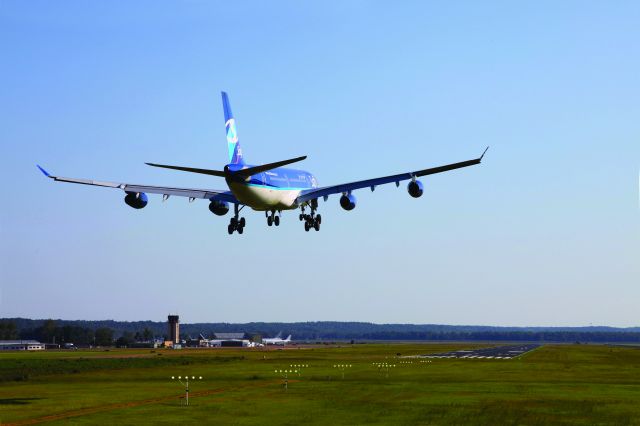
(269, 221)
(230, 229)
(306, 226)
(242, 222)
(276, 220)
(240, 230)
(316, 225)
(319, 219)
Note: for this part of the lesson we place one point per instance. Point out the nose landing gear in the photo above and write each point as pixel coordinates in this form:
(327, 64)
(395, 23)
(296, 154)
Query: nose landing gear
(272, 219)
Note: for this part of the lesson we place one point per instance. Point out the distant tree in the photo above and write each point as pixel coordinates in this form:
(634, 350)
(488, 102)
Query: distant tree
(147, 334)
(76, 334)
(104, 336)
(47, 332)
(8, 330)
(127, 339)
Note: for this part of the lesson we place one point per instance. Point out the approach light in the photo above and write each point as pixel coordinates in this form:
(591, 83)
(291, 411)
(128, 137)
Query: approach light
(179, 377)
(172, 377)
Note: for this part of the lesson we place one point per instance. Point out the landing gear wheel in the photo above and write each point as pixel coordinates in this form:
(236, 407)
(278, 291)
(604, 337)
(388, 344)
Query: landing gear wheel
(242, 222)
(306, 226)
(276, 220)
(301, 216)
(234, 222)
(230, 229)
(240, 230)
(316, 225)
(269, 221)
(319, 219)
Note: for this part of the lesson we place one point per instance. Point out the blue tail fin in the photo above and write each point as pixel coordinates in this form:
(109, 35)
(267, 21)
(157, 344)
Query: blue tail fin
(235, 152)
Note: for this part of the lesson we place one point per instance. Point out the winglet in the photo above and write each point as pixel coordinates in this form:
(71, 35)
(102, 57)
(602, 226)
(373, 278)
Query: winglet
(44, 172)
(483, 153)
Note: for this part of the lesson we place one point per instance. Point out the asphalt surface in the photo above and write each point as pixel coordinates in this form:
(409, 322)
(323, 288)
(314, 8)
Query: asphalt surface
(496, 352)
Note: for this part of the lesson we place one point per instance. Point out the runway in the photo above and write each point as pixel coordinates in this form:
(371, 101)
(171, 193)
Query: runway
(496, 352)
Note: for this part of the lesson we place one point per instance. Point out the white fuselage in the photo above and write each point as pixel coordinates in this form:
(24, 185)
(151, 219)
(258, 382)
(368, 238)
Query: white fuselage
(274, 341)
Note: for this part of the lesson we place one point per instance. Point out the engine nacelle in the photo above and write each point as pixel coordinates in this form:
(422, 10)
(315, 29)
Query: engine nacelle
(136, 200)
(219, 208)
(348, 202)
(415, 188)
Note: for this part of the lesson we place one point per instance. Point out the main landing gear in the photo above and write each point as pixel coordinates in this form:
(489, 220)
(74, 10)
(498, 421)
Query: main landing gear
(272, 219)
(236, 224)
(312, 220)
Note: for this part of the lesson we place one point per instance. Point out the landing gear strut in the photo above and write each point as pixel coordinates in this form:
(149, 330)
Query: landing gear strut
(236, 223)
(312, 220)
(273, 219)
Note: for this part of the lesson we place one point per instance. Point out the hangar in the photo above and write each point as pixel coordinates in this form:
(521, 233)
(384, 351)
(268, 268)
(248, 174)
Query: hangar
(21, 345)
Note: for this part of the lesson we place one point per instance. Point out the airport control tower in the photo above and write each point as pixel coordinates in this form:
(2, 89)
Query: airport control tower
(174, 329)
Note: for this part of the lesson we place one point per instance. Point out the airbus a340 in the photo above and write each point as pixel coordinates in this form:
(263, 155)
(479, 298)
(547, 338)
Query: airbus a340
(269, 187)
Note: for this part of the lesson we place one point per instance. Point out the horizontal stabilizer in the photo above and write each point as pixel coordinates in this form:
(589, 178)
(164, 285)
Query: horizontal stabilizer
(243, 173)
(190, 169)
(259, 169)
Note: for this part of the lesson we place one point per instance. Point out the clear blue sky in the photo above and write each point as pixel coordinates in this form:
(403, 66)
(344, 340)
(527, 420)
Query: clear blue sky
(545, 232)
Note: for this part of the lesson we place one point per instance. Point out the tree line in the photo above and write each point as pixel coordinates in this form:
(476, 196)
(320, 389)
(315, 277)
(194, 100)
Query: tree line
(50, 332)
(125, 333)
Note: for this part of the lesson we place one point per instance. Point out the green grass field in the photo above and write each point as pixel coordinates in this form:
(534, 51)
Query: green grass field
(564, 385)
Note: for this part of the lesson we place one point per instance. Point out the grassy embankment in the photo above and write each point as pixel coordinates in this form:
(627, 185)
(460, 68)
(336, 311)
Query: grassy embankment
(552, 385)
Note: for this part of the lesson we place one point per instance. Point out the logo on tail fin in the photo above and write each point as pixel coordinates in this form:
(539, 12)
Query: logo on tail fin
(235, 152)
(232, 135)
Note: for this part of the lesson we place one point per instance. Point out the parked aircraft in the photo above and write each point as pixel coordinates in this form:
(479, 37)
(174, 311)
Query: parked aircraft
(268, 187)
(276, 340)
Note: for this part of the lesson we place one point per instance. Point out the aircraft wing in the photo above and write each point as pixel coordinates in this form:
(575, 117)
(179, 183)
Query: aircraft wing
(311, 194)
(208, 194)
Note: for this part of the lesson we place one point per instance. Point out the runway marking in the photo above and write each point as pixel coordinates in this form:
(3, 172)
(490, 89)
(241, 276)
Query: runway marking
(494, 352)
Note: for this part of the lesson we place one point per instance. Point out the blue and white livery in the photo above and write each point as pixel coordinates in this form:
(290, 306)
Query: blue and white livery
(269, 187)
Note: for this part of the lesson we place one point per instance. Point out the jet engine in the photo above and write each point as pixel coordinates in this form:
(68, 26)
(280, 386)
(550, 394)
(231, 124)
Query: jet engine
(137, 200)
(219, 208)
(415, 188)
(348, 202)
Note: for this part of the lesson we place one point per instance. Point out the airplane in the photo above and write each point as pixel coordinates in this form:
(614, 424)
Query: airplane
(276, 340)
(268, 187)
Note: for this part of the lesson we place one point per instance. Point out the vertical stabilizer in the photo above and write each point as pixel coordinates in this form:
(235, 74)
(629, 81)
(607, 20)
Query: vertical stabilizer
(235, 152)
